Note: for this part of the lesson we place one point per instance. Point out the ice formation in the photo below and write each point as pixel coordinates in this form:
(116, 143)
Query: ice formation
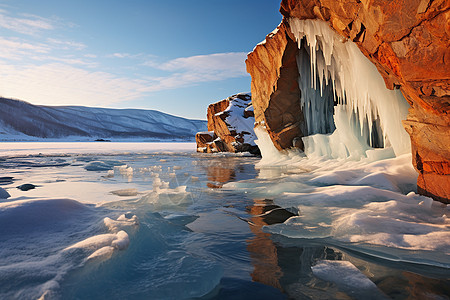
(347, 107)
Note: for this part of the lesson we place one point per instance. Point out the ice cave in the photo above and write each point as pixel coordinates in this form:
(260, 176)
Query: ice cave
(346, 106)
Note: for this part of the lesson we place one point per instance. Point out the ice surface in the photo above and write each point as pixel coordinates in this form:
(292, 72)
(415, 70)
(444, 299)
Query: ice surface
(65, 148)
(367, 114)
(367, 207)
(155, 265)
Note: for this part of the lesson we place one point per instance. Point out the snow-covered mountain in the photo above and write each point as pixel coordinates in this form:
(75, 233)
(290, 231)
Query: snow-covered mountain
(20, 120)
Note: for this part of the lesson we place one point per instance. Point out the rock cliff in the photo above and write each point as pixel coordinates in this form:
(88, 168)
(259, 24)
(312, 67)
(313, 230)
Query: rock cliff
(407, 41)
(230, 126)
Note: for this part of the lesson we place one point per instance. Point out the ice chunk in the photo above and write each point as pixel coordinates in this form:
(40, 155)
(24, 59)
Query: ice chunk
(125, 221)
(102, 254)
(4, 194)
(125, 192)
(348, 278)
(101, 165)
(118, 240)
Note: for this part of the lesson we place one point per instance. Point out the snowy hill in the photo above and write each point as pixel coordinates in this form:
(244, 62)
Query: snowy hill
(20, 120)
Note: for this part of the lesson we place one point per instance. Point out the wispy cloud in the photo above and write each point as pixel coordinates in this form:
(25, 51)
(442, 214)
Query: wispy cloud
(187, 71)
(17, 49)
(66, 45)
(120, 55)
(218, 62)
(59, 84)
(25, 23)
(66, 83)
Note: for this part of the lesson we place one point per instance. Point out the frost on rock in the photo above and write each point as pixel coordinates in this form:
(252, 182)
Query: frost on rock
(230, 125)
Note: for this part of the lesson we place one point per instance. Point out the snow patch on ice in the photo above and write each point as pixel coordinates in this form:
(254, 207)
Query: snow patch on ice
(118, 241)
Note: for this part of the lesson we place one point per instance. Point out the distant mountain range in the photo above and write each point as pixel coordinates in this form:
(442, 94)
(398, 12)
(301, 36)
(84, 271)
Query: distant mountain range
(20, 120)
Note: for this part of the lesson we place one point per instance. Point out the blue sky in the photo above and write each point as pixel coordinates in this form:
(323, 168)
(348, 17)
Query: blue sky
(172, 56)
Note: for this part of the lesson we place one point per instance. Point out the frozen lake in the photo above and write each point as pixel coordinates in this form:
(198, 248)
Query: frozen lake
(159, 221)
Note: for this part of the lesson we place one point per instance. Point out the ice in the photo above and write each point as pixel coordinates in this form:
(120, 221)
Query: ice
(347, 107)
(101, 165)
(9, 149)
(118, 240)
(348, 278)
(270, 154)
(102, 254)
(4, 194)
(155, 265)
(32, 235)
(129, 222)
(126, 192)
(177, 241)
(368, 205)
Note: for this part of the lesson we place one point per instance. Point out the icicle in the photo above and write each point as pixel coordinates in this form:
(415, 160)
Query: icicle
(334, 70)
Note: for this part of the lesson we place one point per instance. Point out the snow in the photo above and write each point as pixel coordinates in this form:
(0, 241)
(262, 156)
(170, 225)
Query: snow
(126, 192)
(236, 120)
(210, 133)
(118, 241)
(367, 113)
(263, 42)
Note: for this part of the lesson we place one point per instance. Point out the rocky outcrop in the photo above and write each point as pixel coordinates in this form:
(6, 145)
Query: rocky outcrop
(230, 126)
(408, 42)
(275, 91)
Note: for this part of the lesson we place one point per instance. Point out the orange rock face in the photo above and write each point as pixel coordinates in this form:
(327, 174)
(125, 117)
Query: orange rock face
(408, 42)
(275, 91)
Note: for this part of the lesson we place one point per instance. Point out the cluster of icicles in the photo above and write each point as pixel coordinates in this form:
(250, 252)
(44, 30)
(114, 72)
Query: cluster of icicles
(342, 93)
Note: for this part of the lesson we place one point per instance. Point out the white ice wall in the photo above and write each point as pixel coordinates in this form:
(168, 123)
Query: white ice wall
(359, 90)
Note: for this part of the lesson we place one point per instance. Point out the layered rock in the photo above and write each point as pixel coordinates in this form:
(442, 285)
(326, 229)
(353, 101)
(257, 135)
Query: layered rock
(230, 126)
(408, 42)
